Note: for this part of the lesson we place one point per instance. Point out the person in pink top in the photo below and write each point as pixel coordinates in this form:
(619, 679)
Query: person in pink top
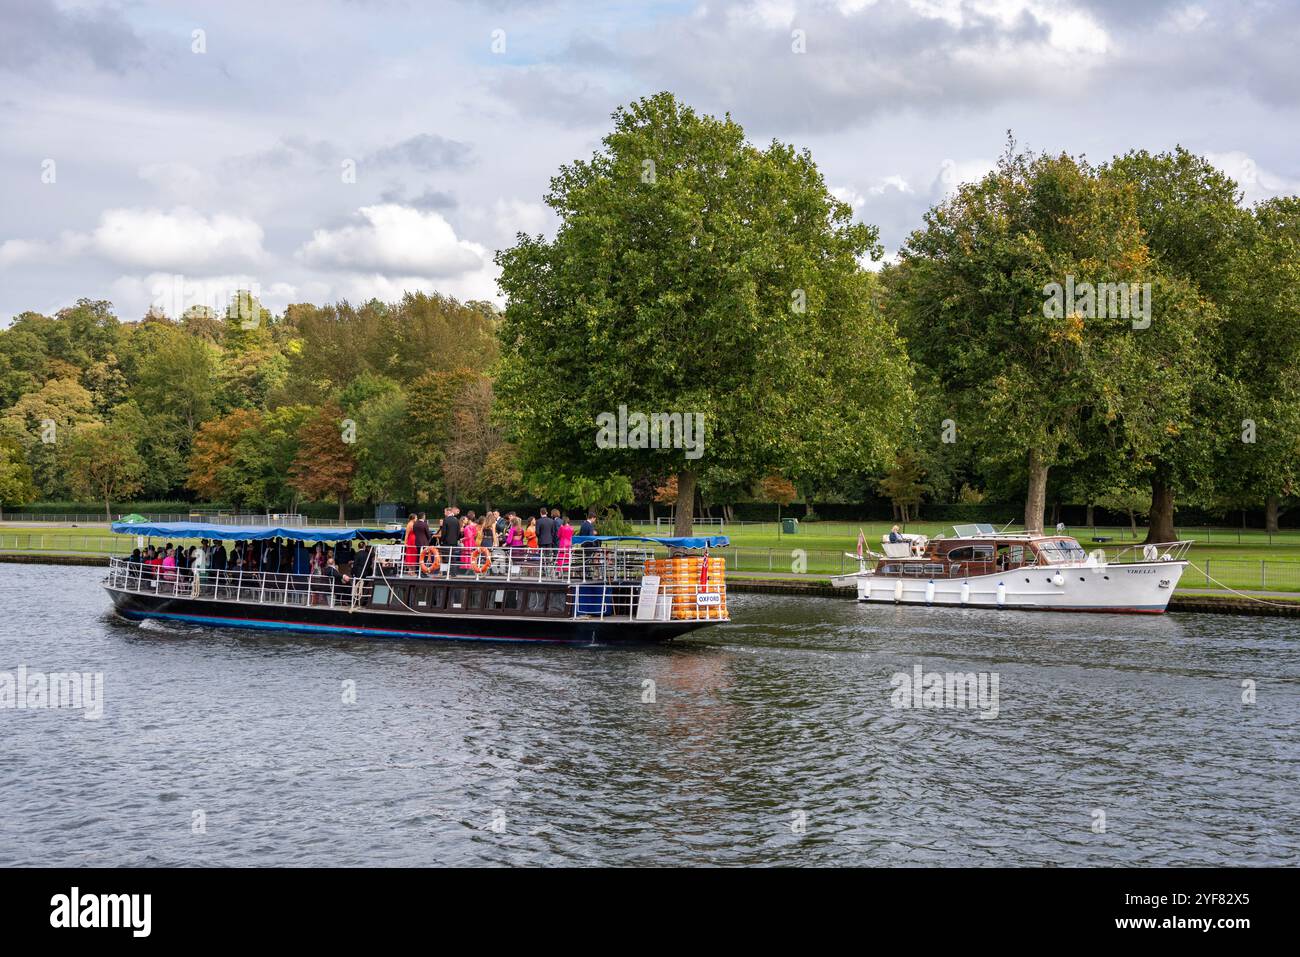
(468, 541)
(169, 565)
(565, 538)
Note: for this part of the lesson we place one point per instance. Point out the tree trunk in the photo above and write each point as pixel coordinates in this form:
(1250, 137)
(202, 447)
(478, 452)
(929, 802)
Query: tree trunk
(652, 512)
(684, 513)
(1133, 522)
(342, 514)
(1036, 496)
(1271, 514)
(107, 512)
(1089, 519)
(1160, 525)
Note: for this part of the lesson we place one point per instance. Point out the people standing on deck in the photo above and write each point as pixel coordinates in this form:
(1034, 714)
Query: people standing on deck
(503, 524)
(421, 532)
(468, 540)
(199, 567)
(412, 553)
(564, 540)
(545, 530)
(515, 537)
(450, 535)
(530, 534)
(588, 528)
(168, 564)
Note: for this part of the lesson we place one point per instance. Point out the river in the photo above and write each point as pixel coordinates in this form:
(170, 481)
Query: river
(774, 740)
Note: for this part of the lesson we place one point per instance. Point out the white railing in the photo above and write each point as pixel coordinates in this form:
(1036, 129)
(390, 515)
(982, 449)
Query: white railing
(258, 588)
(507, 563)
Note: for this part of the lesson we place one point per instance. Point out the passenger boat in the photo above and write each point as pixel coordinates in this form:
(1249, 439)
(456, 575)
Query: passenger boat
(979, 567)
(605, 590)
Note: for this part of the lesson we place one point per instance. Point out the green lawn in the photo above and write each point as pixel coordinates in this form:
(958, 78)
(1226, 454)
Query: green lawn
(1247, 560)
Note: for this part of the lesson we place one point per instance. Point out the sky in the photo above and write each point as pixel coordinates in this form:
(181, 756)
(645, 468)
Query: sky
(168, 153)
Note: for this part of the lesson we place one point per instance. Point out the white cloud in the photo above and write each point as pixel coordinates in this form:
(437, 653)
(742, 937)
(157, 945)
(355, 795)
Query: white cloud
(149, 238)
(1256, 183)
(180, 239)
(394, 241)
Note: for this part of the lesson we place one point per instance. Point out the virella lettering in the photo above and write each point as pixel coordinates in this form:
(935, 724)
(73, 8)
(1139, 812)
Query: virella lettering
(658, 430)
(103, 910)
(936, 689)
(78, 691)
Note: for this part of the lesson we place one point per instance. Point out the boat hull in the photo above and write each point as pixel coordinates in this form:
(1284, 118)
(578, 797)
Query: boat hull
(371, 623)
(1137, 588)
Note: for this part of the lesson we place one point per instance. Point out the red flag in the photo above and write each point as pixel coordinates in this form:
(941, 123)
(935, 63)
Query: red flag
(862, 544)
(704, 568)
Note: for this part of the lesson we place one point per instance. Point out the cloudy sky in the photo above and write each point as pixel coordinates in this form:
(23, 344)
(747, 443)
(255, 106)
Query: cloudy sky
(168, 151)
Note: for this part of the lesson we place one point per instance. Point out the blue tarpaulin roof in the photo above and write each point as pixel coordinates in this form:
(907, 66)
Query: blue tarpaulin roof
(707, 541)
(249, 533)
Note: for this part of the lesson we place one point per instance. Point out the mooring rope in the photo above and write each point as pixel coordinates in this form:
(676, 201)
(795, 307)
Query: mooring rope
(1242, 594)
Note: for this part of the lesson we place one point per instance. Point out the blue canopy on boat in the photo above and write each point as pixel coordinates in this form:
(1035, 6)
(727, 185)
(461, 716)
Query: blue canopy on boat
(707, 541)
(250, 533)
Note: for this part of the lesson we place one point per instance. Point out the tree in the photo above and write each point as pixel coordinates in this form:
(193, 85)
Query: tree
(1030, 379)
(324, 466)
(1194, 226)
(904, 484)
(16, 486)
(213, 453)
(1261, 358)
(696, 275)
(102, 462)
(778, 489)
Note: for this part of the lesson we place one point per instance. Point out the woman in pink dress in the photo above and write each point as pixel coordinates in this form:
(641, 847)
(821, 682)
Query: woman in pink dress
(468, 542)
(565, 537)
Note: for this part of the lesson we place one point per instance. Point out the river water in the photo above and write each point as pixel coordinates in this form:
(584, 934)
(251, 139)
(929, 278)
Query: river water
(773, 740)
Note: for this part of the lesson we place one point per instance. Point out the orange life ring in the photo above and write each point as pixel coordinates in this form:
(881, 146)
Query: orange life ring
(474, 563)
(427, 566)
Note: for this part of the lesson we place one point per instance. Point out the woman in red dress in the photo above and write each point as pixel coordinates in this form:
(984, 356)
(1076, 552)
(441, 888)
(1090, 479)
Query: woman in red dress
(412, 555)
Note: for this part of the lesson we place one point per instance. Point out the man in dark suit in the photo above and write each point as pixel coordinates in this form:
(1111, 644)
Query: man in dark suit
(421, 530)
(450, 538)
(588, 528)
(545, 530)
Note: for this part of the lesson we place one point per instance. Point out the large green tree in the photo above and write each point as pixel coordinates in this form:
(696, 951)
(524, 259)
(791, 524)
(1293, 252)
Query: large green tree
(992, 295)
(693, 273)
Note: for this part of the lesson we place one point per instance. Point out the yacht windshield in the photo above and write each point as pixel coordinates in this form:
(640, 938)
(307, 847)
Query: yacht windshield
(1062, 551)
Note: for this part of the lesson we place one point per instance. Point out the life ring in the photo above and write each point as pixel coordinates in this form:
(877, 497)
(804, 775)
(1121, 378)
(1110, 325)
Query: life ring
(426, 566)
(480, 567)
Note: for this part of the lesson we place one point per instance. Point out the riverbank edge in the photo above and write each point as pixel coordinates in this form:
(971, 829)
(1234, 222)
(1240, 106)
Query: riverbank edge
(822, 588)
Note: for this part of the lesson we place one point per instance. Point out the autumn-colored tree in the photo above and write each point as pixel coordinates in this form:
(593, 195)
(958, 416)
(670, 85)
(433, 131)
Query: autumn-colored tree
(214, 451)
(324, 465)
(904, 484)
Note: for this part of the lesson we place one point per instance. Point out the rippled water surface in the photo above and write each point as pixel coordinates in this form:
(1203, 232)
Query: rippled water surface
(779, 723)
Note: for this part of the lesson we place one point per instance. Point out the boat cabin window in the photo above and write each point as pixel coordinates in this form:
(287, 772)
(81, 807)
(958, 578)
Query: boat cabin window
(555, 602)
(1062, 550)
(438, 598)
(457, 598)
(505, 598)
(971, 553)
(419, 598)
(381, 595)
(476, 596)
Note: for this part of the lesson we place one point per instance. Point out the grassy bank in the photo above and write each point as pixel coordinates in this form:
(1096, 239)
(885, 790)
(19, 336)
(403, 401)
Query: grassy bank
(1248, 560)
